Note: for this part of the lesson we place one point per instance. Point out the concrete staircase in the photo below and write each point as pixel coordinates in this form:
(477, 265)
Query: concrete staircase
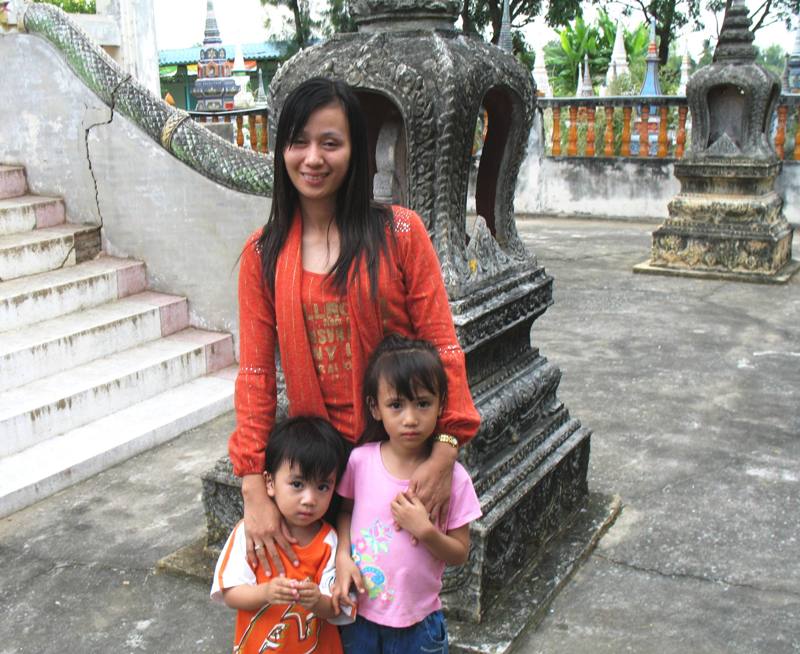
(93, 367)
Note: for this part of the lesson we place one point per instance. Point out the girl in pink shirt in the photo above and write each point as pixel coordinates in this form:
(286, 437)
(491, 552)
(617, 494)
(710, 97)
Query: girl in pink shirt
(388, 547)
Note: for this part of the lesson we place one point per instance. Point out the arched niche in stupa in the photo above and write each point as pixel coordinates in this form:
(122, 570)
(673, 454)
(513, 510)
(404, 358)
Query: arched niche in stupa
(503, 109)
(388, 147)
(728, 112)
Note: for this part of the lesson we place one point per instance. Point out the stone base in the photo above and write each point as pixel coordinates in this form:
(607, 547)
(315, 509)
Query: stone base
(524, 604)
(192, 560)
(781, 277)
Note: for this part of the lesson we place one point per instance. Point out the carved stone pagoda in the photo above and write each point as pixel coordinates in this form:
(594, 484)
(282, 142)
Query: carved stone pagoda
(423, 85)
(214, 87)
(727, 221)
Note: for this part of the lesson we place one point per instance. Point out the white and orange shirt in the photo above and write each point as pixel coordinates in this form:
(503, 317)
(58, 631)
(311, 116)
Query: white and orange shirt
(285, 628)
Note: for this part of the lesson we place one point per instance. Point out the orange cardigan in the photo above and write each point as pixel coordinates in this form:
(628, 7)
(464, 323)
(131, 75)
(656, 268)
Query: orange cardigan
(412, 302)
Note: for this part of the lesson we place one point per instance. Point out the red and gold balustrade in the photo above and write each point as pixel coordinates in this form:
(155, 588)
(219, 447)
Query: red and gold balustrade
(255, 118)
(604, 126)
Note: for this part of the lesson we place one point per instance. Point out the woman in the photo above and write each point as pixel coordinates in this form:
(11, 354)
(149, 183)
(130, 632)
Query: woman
(326, 277)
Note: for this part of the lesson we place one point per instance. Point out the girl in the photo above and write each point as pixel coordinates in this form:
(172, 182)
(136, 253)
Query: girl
(388, 546)
(327, 274)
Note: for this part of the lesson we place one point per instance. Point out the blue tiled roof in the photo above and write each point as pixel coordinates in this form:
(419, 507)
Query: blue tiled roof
(265, 50)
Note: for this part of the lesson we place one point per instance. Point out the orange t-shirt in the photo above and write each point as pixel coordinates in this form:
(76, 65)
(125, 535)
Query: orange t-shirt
(328, 329)
(285, 628)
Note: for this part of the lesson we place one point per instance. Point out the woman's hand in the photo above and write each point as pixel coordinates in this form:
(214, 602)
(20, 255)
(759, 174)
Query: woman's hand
(264, 527)
(432, 481)
(347, 575)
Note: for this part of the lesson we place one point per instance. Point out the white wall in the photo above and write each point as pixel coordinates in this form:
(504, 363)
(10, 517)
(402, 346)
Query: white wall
(629, 188)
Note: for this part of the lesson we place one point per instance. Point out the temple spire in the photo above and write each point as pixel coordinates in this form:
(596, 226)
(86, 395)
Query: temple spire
(506, 43)
(212, 31)
(619, 57)
(793, 66)
(686, 65)
(735, 38)
(651, 85)
(540, 73)
(586, 89)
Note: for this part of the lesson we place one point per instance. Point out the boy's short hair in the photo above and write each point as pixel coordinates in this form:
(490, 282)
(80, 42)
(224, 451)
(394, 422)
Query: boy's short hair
(311, 443)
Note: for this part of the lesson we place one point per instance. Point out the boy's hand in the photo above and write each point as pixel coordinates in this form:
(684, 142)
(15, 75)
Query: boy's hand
(280, 590)
(309, 593)
(410, 514)
(347, 575)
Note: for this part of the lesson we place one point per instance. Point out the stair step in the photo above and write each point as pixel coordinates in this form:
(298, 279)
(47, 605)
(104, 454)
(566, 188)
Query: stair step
(12, 181)
(27, 212)
(46, 407)
(40, 250)
(33, 352)
(29, 300)
(33, 474)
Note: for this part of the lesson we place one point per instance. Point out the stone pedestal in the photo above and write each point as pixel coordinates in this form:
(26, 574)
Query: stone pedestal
(727, 221)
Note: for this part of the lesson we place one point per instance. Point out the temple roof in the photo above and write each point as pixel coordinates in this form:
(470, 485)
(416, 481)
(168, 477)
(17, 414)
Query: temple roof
(265, 50)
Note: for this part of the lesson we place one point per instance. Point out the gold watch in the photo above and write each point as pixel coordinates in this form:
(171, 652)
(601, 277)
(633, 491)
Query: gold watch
(447, 438)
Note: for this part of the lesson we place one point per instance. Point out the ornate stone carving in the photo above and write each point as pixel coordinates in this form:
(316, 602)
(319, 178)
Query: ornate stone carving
(434, 80)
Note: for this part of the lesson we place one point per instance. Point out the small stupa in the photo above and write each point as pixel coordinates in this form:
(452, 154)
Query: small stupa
(727, 222)
(214, 87)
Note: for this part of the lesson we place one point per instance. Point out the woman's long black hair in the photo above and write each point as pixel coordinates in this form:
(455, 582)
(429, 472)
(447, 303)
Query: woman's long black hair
(361, 222)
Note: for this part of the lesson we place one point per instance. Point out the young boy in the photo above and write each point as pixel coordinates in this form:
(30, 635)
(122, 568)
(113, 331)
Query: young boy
(305, 457)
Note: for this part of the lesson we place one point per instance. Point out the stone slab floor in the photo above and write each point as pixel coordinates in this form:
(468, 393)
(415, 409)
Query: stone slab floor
(692, 389)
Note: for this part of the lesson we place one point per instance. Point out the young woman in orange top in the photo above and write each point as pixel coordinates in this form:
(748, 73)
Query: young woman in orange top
(330, 273)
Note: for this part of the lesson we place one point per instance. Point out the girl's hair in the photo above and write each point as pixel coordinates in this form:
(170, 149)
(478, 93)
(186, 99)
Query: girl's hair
(312, 443)
(406, 365)
(361, 222)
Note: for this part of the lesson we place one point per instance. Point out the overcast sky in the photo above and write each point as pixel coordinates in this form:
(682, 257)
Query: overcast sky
(181, 23)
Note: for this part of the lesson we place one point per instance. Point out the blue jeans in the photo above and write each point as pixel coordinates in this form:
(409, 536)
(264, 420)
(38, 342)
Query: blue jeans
(429, 636)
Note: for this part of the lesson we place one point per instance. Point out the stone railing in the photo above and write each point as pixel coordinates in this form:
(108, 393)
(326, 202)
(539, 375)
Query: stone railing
(237, 168)
(255, 117)
(647, 126)
(643, 126)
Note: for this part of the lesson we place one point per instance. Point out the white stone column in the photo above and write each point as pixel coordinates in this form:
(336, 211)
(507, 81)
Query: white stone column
(138, 52)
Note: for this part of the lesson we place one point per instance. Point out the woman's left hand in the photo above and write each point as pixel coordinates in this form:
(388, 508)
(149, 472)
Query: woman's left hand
(431, 482)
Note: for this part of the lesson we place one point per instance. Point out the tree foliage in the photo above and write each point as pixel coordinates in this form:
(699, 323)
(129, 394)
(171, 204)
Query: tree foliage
(769, 12)
(338, 17)
(73, 6)
(301, 19)
(672, 16)
(478, 15)
(578, 39)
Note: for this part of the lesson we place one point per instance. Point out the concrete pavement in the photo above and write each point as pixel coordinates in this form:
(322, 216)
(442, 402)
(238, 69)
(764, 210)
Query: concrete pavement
(692, 389)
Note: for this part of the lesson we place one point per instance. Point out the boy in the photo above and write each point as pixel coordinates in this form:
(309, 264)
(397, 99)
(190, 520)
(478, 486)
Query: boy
(305, 457)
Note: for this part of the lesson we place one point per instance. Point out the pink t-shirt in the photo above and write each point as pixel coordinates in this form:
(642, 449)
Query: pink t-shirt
(403, 580)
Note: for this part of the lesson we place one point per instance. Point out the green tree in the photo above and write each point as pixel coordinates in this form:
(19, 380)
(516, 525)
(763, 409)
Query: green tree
(339, 18)
(670, 17)
(301, 19)
(73, 6)
(478, 15)
(767, 13)
(772, 58)
(578, 39)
